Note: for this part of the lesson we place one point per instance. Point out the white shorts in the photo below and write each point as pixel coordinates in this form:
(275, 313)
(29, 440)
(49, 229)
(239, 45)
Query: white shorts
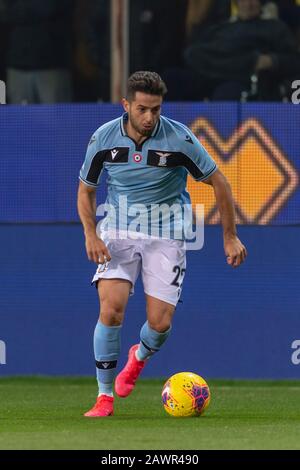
(162, 263)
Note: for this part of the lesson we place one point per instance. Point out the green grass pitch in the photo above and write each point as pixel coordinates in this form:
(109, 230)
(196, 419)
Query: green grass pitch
(46, 413)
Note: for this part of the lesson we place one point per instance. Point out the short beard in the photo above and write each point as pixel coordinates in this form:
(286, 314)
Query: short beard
(143, 132)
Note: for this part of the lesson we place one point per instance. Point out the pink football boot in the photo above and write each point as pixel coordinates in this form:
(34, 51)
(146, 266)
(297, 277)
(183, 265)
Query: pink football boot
(104, 407)
(126, 379)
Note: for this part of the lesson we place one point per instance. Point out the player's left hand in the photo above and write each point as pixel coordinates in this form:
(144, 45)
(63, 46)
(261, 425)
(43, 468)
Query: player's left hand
(235, 251)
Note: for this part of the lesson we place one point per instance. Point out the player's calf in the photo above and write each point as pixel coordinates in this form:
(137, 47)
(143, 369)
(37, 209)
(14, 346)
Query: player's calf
(151, 341)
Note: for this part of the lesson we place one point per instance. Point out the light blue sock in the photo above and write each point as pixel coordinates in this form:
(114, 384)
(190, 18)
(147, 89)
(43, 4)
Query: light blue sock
(106, 349)
(151, 341)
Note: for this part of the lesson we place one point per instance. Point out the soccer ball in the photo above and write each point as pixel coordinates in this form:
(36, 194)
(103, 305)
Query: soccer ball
(185, 394)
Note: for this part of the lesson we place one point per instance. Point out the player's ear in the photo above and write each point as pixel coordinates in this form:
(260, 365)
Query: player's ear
(125, 104)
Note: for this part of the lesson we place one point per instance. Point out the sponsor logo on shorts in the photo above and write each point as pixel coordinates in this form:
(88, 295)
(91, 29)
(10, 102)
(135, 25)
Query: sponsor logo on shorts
(102, 267)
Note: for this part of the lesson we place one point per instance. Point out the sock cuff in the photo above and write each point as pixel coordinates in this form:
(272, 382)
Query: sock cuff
(154, 335)
(157, 332)
(111, 328)
(152, 339)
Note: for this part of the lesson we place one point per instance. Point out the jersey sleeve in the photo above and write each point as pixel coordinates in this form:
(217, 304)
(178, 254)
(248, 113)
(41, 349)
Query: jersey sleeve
(200, 164)
(92, 167)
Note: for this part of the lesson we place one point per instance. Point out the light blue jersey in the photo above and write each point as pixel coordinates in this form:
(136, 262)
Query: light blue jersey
(146, 175)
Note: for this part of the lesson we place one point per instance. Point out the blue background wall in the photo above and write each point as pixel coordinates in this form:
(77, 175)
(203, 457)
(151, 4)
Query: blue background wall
(232, 323)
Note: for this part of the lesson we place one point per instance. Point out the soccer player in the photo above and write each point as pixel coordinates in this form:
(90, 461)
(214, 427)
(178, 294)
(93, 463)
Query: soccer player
(147, 157)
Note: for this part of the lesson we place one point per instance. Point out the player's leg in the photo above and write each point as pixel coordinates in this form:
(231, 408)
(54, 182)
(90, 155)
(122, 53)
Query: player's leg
(154, 333)
(116, 281)
(163, 271)
(113, 296)
(164, 264)
(156, 329)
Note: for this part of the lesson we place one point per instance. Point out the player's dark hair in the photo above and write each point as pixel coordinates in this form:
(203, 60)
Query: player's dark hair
(145, 82)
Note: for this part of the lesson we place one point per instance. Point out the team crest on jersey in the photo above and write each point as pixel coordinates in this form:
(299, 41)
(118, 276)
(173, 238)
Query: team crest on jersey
(162, 158)
(137, 158)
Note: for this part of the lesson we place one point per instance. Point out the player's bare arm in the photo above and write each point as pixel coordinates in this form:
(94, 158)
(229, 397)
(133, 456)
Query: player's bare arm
(86, 203)
(234, 249)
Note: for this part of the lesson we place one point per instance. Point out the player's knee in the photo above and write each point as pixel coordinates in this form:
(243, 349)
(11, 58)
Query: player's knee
(161, 326)
(112, 316)
(161, 321)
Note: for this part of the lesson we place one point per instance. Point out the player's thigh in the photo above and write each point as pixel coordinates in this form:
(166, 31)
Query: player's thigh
(159, 313)
(113, 296)
(163, 269)
(125, 262)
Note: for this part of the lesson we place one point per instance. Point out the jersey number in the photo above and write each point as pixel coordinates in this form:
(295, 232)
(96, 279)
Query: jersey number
(179, 272)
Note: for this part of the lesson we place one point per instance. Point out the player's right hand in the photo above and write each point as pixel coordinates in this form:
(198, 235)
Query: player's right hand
(96, 249)
(235, 251)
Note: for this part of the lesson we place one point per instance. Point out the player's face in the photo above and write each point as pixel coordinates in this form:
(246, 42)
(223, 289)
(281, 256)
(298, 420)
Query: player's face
(248, 9)
(143, 113)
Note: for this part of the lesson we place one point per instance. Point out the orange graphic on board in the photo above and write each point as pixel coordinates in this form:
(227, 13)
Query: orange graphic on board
(261, 177)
